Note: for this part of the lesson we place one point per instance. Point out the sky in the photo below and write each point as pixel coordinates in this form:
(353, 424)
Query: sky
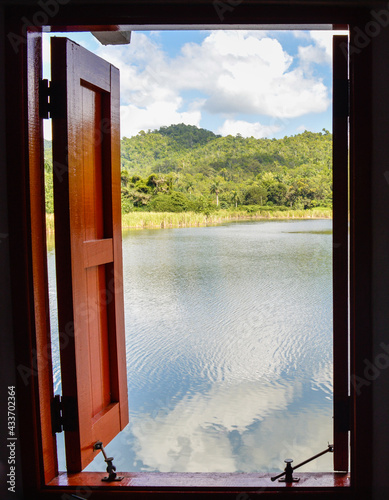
(253, 83)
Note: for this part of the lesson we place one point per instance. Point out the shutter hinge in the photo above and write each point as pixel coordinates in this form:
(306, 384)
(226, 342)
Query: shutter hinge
(341, 98)
(342, 410)
(63, 414)
(51, 99)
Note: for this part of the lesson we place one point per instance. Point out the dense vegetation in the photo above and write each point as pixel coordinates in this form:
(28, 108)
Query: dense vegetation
(182, 168)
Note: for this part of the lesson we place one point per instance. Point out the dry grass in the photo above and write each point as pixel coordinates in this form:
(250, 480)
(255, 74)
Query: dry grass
(140, 220)
(189, 219)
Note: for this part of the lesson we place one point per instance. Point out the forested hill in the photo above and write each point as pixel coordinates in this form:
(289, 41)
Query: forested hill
(182, 167)
(228, 171)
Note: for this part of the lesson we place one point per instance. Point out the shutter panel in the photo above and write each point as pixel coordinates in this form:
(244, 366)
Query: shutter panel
(86, 161)
(340, 252)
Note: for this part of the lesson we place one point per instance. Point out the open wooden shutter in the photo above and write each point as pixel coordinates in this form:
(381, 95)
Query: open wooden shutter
(86, 163)
(340, 252)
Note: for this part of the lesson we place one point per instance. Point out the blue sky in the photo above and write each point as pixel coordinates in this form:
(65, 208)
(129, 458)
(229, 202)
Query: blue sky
(256, 83)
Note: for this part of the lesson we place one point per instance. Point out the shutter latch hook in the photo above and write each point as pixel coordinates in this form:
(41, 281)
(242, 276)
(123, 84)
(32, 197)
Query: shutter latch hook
(288, 472)
(110, 467)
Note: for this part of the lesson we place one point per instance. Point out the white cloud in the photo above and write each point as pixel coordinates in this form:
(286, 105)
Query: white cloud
(243, 74)
(234, 72)
(323, 41)
(228, 74)
(320, 51)
(247, 129)
(154, 116)
(312, 54)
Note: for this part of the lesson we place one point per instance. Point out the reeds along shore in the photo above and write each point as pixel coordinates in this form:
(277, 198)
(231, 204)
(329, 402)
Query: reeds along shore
(143, 220)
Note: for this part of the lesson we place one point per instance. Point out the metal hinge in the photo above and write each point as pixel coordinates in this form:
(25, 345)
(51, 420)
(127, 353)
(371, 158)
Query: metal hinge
(341, 93)
(63, 414)
(52, 99)
(342, 407)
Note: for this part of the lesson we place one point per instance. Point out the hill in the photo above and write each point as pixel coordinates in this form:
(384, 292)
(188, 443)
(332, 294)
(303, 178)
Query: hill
(183, 167)
(295, 172)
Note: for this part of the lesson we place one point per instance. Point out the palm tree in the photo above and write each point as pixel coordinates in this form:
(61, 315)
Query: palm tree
(235, 197)
(189, 186)
(215, 189)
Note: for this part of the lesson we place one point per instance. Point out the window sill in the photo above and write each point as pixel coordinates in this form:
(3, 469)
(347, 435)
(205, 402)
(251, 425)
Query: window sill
(201, 481)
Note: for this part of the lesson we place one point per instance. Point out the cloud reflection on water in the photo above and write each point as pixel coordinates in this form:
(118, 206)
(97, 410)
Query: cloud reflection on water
(232, 427)
(229, 348)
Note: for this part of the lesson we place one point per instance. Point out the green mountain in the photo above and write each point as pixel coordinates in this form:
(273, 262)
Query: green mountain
(295, 172)
(183, 167)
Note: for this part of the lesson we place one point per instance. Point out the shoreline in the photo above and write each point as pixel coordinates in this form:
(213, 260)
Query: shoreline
(164, 225)
(168, 220)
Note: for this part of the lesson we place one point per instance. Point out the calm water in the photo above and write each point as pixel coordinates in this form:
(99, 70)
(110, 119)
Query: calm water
(229, 348)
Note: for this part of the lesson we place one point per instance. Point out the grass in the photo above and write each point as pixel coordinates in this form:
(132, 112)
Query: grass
(50, 223)
(141, 220)
(186, 219)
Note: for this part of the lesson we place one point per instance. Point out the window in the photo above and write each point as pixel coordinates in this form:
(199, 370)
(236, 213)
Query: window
(77, 161)
(36, 212)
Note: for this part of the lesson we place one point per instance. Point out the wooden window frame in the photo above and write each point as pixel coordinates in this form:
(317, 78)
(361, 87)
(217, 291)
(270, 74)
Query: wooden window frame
(26, 212)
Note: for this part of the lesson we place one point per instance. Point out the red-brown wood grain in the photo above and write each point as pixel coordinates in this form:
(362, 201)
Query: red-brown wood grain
(93, 302)
(98, 252)
(200, 480)
(231, 486)
(39, 257)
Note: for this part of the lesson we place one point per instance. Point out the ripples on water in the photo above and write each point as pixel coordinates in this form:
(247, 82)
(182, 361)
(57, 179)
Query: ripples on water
(229, 347)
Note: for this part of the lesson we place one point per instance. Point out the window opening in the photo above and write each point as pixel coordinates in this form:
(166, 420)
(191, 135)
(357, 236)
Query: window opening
(52, 281)
(210, 414)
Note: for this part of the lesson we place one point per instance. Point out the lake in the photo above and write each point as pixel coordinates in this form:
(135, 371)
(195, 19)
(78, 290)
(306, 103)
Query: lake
(229, 348)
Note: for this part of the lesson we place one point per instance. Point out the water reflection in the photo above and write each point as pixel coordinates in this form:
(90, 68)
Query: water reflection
(228, 429)
(229, 347)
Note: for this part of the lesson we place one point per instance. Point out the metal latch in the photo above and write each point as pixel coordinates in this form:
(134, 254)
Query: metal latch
(288, 472)
(110, 467)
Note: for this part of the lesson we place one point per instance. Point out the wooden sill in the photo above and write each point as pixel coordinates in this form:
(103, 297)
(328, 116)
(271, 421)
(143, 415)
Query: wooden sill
(201, 481)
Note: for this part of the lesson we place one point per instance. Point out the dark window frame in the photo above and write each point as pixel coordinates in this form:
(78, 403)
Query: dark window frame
(21, 249)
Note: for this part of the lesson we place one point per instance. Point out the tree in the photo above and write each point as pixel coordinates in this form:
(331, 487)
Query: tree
(256, 195)
(215, 189)
(189, 186)
(295, 171)
(235, 197)
(124, 178)
(276, 193)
